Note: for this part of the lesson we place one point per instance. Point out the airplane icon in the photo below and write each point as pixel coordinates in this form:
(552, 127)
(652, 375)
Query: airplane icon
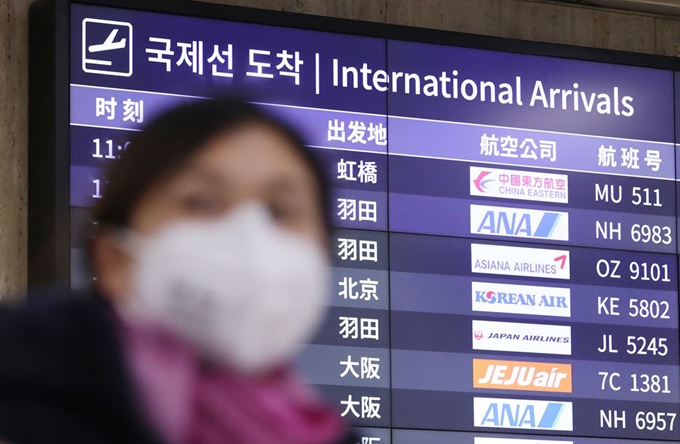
(109, 44)
(113, 56)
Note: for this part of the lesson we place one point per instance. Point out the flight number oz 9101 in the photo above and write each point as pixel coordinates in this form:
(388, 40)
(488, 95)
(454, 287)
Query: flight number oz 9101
(643, 271)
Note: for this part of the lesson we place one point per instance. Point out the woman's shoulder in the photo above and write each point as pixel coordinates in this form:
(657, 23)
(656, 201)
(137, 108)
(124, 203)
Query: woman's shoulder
(53, 333)
(63, 368)
(55, 316)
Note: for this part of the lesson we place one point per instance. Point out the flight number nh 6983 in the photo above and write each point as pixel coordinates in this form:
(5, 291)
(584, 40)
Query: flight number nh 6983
(655, 234)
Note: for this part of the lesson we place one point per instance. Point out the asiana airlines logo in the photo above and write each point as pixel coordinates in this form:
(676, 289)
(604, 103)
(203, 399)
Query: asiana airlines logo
(520, 261)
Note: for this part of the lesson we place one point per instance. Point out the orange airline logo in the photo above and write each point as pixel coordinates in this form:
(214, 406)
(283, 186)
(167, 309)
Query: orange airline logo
(528, 376)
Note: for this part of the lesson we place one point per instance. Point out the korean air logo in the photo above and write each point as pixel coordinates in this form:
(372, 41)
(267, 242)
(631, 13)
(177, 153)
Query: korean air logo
(482, 181)
(517, 222)
(107, 47)
(523, 414)
(521, 299)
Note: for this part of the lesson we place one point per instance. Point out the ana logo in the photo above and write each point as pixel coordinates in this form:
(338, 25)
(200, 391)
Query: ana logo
(481, 182)
(527, 376)
(517, 441)
(521, 299)
(520, 261)
(523, 185)
(522, 338)
(501, 221)
(479, 335)
(523, 414)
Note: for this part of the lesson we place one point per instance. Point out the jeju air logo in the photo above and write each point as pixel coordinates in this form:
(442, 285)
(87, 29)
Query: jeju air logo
(481, 183)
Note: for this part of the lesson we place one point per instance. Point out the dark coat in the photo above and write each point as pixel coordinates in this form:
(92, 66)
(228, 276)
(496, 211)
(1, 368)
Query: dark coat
(63, 377)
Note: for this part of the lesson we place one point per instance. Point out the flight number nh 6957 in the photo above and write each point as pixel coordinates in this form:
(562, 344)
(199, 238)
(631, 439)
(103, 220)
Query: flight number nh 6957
(655, 421)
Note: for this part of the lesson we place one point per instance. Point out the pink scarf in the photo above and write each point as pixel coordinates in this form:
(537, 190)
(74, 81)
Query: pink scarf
(187, 402)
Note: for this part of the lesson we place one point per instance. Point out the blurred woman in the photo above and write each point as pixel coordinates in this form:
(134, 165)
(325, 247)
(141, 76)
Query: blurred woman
(211, 269)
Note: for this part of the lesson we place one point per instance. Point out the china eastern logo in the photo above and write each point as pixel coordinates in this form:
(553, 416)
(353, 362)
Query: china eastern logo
(483, 182)
(520, 261)
(521, 185)
(521, 299)
(516, 222)
(526, 376)
(516, 337)
(523, 414)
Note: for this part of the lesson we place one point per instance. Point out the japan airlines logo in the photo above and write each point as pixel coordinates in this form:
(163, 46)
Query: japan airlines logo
(522, 185)
(515, 222)
(521, 338)
(107, 47)
(517, 441)
(520, 261)
(523, 414)
(526, 376)
(521, 299)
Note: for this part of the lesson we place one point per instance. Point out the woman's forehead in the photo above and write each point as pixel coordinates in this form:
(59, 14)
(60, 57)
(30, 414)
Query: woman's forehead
(252, 153)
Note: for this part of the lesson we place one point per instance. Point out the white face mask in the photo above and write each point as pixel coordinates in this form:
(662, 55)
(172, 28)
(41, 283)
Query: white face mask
(242, 290)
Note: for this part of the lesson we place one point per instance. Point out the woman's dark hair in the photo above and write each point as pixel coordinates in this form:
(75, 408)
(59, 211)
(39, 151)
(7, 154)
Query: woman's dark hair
(172, 138)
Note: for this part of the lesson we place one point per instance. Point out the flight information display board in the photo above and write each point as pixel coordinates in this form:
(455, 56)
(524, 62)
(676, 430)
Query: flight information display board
(505, 244)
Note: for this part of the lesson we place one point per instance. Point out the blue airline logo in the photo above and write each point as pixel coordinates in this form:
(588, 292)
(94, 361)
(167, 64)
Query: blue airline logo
(523, 414)
(519, 222)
